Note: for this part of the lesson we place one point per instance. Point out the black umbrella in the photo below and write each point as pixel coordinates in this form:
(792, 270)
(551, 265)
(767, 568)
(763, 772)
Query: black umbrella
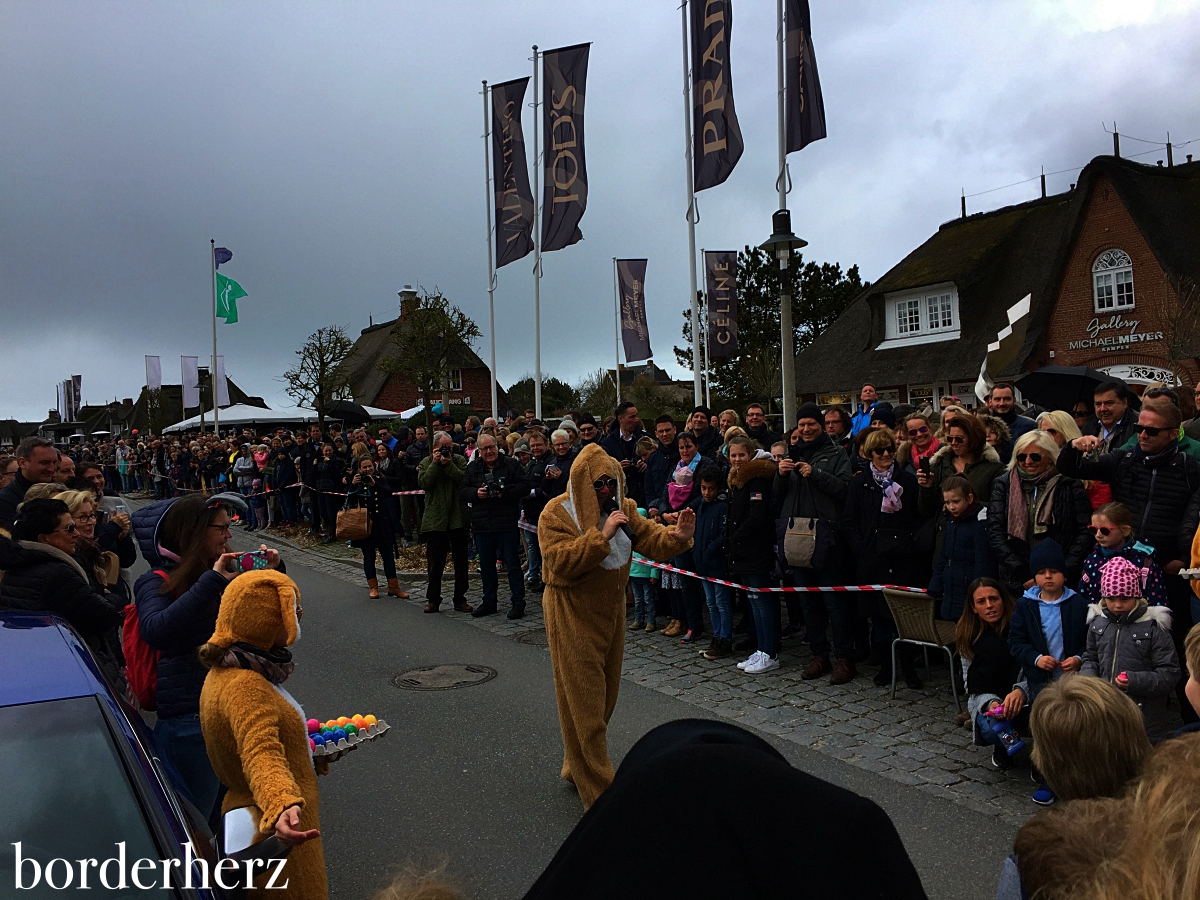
(1061, 387)
(348, 411)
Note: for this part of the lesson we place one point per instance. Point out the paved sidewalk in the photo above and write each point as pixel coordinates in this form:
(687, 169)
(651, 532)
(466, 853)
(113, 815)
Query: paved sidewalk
(911, 739)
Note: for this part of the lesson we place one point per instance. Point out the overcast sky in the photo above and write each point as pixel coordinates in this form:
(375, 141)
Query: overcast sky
(336, 149)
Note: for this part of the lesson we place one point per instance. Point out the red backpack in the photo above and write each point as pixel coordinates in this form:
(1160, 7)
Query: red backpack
(141, 660)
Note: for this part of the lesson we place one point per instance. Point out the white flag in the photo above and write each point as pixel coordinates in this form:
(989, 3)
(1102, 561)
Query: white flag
(153, 373)
(222, 384)
(191, 382)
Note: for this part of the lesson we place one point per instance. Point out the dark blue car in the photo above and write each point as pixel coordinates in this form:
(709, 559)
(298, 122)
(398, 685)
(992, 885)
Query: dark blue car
(81, 776)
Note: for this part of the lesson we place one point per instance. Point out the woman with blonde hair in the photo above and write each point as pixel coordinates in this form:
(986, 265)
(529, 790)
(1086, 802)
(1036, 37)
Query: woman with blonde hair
(726, 420)
(1031, 502)
(1059, 425)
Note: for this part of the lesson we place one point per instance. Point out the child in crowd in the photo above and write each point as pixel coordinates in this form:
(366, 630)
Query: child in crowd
(990, 673)
(966, 553)
(1112, 527)
(1129, 644)
(1191, 653)
(709, 554)
(779, 450)
(1049, 628)
(644, 612)
(644, 447)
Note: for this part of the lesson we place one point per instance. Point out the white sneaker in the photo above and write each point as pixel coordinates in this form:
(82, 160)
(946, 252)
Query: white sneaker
(763, 664)
(752, 658)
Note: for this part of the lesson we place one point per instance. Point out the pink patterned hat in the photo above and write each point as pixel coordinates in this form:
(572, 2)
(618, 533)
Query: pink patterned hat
(1121, 578)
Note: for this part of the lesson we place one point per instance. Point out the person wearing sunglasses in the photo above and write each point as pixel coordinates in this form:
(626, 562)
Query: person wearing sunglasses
(1112, 528)
(879, 522)
(1033, 501)
(42, 573)
(587, 537)
(920, 442)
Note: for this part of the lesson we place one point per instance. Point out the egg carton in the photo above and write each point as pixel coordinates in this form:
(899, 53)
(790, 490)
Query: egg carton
(1190, 574)
(336, 751)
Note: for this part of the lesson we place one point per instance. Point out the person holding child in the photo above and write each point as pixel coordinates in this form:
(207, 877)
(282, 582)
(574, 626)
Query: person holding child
(1112, 527)
(1048, 632)
(685, 594)
(709, 557)
(991, 674)
(966, 553)
(1129, 644)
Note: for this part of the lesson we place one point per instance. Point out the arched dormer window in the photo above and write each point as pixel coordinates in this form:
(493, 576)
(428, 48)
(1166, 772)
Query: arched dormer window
(1112, 281)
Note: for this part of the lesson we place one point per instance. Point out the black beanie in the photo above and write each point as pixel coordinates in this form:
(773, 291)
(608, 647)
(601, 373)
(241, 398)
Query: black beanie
(587, 419)
(703, 409)
(810, 411)
(1047, 555)
(883, 413)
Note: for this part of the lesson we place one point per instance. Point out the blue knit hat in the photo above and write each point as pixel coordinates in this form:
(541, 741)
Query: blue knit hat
(1047, 555)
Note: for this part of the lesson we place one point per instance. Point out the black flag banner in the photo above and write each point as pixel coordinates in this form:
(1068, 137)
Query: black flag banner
(635, 333)
(805, 107)
(565, 176)
(510, 174)
(716, 135)
(720, 272)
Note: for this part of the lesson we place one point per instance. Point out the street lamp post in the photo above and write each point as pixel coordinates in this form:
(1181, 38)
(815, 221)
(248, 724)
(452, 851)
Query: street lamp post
(781, 243)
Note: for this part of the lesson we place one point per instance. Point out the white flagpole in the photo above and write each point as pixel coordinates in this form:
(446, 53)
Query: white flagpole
(691, 208)
(212, 261)
(704, 342)
(487, 184)
(617, 329)
(787, 352)
(537, 248)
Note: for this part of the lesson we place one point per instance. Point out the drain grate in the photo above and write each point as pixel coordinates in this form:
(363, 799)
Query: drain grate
(535, 638)
(443, 677)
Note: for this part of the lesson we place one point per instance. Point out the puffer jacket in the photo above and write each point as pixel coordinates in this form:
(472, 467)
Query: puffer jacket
(750, 520)
(823, 493)
(495, 514)
(1072, 511)
(708, 543)
(966, 555)
(1162, 492)
(175, 626)
(1138, 644)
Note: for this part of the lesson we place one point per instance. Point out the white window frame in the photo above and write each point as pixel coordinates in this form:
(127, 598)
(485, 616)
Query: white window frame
(1112, 273)
(454, 380)
(933, 303)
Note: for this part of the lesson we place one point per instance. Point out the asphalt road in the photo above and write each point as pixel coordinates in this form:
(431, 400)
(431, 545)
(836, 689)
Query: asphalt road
(469, 776)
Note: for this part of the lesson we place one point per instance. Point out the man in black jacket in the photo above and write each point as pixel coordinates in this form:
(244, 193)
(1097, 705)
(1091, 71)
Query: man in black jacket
(540, 458)
(756, 427)
(1114, 421)
(495, 485)
(305, 457)
(661, 464)
(1161, 486)
(621, 445)
(37, 461)
(708, 439)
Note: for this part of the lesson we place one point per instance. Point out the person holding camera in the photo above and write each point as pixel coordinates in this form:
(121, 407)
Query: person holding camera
(494, 486)
(371, 491)
(444, 528)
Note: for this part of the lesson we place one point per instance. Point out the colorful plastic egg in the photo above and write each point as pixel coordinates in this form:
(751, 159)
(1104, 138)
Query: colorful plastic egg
(370, 720)
(342, 720)
(313, 725)
(311, 745)
(339, 735)
(351, 728)
(318, 740)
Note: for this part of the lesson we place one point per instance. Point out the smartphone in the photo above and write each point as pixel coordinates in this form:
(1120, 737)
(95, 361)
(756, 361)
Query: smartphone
(253, 559)
(924, 465)
(118, 509)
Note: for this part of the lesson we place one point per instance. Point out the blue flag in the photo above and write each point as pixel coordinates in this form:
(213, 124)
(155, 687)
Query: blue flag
(221, 255)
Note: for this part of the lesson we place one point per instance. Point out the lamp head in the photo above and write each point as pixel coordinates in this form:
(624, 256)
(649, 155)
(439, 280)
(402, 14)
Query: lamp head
(782, 242)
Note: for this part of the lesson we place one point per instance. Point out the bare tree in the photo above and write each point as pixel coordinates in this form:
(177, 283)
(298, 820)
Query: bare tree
(154, 411)
(430, 342)
(1181, 325)
(598, 393)
(319, 378)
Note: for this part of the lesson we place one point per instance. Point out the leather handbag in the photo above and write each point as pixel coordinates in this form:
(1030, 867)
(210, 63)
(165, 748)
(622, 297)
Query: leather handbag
(353, 524)
(806, 542)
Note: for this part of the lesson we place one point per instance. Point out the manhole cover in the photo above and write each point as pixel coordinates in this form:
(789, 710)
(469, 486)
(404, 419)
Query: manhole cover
(443, 678)
(535, 638)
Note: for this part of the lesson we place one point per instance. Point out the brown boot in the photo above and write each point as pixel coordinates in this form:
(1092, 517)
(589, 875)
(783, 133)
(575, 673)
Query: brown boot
(675, 627)
(373, 584)
(843, 672)
(431, 607)
(394, 589)
(819, 666)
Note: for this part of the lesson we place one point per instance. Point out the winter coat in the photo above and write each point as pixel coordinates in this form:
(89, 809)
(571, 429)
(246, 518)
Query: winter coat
(708, 550)
(306, 456)
(1121, 432)
(10, 498)
(990, 675)
(1162, 492)
(1155, 588)
(245, 470)
(417, 451)
(659, 466)
(882, 543)
(445, 509)
(981, 473)
(495, 514)
(822, 494)
(329, 474)
(620, 449)
(1017, 426)
(1071, 513)
(373, 498)
(750, 519)
(1139, 644)
(709, 443)
(966, 555)
(1027, 640)
(284, 473)
(764, 437)
(549, 488)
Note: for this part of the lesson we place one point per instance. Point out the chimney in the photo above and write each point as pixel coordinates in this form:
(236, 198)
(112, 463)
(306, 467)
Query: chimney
(127, 403)
(408, 301)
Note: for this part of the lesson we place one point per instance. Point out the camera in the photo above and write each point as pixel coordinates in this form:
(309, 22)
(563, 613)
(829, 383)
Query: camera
(494, 485)
(445, 452)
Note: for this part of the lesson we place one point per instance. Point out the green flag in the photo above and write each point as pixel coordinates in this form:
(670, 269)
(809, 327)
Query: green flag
(228, 292)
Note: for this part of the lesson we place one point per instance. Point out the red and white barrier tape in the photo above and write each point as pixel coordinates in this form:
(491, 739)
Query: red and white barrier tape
(287, 487)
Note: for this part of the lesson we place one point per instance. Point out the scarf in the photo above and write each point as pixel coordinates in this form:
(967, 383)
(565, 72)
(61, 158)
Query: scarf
(934, 446)
(1021, 516)
(679, 489)
(891, 491)
(273, 665)
(805, 450)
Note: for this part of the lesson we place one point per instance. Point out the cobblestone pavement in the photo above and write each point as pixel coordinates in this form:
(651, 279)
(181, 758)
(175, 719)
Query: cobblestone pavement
(911, 739)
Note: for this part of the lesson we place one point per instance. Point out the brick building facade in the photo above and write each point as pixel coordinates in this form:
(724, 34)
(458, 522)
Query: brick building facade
(1104, 263)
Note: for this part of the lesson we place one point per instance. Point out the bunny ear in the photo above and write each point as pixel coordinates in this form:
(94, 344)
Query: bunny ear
(1145, 575)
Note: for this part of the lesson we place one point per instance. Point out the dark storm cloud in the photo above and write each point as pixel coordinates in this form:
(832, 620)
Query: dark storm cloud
(337, 150)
